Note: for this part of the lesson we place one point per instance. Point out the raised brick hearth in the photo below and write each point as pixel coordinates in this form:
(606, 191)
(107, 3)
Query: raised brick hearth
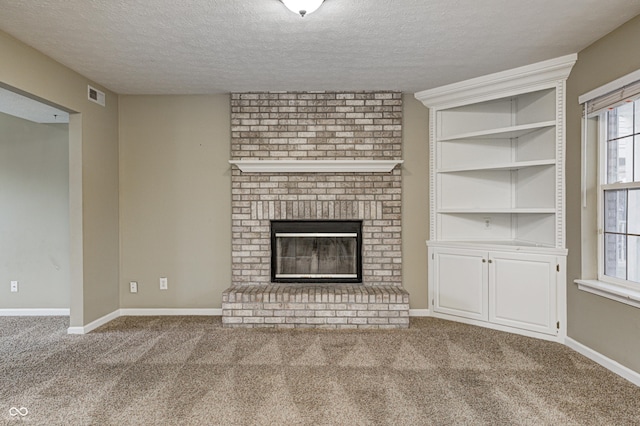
(316, 306)
(316, 126)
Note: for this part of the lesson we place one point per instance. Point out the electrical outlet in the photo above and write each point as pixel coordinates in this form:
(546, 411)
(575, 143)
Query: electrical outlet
(14, 286)
(487, 223)
(164, 283)
(133, 286)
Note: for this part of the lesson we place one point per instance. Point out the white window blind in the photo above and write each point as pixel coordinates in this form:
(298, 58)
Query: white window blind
(611, 95)
(613, 99)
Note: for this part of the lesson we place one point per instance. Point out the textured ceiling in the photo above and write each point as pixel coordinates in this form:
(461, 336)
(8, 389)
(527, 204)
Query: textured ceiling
(213, 46)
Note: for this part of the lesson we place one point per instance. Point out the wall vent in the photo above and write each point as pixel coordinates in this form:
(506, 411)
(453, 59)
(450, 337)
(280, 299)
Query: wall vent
(95, 95)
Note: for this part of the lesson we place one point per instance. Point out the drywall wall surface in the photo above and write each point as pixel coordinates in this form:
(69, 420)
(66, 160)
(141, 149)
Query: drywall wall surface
(415, 200)
(93, 172)
(34, 217)
(175, 200)
(175, 193)
(608, 327)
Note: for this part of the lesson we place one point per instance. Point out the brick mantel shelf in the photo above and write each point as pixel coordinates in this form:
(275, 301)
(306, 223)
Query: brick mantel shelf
(316, 166)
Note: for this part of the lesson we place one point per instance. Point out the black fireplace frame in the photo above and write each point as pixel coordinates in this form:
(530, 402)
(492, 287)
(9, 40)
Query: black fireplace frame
(317, 226)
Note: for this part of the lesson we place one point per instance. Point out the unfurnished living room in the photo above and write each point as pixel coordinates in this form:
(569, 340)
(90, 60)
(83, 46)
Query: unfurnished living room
(333, 212)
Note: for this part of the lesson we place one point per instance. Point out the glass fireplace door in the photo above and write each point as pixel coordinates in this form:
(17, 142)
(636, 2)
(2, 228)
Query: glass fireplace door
(310, 255)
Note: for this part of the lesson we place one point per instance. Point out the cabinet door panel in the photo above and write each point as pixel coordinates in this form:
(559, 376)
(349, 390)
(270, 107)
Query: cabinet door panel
(522, 291)
(460, 286)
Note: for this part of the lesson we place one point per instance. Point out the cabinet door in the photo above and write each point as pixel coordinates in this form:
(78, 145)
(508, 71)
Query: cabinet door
(460, 282)
(522, 291)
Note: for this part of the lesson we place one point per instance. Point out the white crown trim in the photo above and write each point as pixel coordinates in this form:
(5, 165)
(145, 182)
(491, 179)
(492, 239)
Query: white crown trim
(500, 84)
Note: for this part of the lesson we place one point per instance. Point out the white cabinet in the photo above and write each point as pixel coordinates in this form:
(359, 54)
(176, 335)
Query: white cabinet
(510, 289)
(496, 147)
(522, 291)
(461, 282)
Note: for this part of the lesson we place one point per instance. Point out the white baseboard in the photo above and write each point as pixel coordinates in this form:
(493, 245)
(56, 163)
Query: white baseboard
(170, 312)
(94, 324)
(52, 312)
(486, 324)
(419, 312)
(143, 312)
(606, 362)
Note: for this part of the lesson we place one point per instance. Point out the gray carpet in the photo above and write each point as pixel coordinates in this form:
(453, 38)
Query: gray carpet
(191, 371)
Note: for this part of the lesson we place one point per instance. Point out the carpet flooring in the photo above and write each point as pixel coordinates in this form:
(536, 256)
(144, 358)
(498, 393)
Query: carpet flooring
(191, 371)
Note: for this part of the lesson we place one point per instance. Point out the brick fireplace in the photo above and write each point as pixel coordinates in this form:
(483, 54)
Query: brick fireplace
(308, 134)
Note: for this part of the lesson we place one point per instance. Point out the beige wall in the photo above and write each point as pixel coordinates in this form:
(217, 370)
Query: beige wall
(93, 170)
(34, 218)
(415, 200)
(608, 327)
(175, 195)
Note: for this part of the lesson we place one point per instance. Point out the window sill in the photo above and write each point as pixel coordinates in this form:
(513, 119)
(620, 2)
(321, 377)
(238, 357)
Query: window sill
(611, 291)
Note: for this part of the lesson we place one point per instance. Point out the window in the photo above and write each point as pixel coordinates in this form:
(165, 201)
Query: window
(611, 191)
(619, 220)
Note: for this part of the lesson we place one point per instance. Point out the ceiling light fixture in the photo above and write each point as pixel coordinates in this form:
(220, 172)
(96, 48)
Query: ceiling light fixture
(302, 7)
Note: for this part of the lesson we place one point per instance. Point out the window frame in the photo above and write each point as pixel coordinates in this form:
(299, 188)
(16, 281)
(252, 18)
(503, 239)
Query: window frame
(595, 103)
(602, 186)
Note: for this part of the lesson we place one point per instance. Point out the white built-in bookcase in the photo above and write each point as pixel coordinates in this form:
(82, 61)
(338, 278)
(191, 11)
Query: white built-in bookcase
(497, 186)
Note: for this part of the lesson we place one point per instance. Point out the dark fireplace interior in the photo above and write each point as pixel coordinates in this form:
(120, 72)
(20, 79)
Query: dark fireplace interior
(311, 251)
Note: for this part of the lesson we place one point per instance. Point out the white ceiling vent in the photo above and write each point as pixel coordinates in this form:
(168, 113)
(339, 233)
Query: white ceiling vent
(95, 95)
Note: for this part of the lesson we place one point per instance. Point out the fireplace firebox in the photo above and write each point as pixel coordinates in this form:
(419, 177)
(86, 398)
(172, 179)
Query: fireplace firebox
(312, 251)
